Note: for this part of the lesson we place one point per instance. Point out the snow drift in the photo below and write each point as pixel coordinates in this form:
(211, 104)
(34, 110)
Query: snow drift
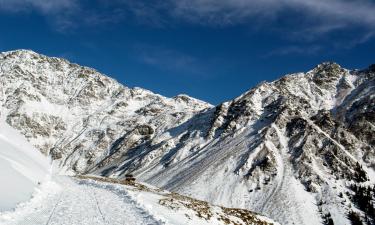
(22, 167)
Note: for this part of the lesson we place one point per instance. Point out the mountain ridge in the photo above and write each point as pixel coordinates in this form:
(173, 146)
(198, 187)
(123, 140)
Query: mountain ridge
(306, 133)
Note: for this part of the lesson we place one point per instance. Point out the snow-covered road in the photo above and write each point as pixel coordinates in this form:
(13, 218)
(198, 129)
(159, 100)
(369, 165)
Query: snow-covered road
(68, 201)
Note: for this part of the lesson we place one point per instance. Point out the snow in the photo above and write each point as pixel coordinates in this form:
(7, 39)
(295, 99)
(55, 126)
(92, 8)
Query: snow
(22, 167)
(67, 200)
(331, 139)
(300, 204)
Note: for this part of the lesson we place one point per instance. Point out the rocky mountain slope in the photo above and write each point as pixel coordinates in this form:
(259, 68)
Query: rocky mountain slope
(299, 150)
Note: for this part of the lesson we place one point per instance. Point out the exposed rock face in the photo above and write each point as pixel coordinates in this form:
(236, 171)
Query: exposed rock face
(292, 149)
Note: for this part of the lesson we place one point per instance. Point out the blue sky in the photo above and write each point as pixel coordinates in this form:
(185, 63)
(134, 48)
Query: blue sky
(213, 50)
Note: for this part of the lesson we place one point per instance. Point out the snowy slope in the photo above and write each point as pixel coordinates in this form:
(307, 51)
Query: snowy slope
(76, 114)
(21, 167)
(295, 149)
(290, 149)
(66, 200)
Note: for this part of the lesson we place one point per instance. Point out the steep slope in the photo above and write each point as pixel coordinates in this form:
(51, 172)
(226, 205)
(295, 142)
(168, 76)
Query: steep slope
(299, 150)
(294, 149)
(79, 116)
(22, 167)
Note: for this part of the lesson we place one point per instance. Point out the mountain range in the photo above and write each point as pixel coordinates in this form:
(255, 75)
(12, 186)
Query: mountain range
(299, 150)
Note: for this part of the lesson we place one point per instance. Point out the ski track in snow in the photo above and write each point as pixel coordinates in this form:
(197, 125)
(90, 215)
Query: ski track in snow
(80, 202)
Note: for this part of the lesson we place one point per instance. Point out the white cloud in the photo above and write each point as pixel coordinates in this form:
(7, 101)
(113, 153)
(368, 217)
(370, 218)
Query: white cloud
(59, 13)
(331, 13)
(43, 6)
(312, 18)
(299, 20)
(360, 12)
(227, 12)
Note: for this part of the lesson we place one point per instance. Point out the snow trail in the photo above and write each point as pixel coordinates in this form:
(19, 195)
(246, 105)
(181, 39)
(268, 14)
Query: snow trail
(79, 202)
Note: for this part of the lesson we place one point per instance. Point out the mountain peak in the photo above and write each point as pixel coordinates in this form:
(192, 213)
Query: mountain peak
(328, 68)
(190, 100)
(31, 58)
(21, 52)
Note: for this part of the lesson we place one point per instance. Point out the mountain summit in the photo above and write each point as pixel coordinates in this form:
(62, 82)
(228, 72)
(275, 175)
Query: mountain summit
(299, 150)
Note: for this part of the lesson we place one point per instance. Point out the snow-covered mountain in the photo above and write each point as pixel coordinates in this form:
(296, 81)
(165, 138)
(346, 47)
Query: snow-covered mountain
(299, 150)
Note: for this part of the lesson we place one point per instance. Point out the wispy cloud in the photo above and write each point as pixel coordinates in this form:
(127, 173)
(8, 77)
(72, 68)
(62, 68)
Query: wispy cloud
(301, 21)
(354, 42)
(305, 19)
(223, 12)
(58, 12)
(227, 12)
(169, 59)
(295, 50)
(66, 15)
(151, 13)
(43, 6)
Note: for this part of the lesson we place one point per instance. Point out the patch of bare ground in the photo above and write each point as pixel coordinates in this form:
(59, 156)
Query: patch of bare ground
(176, 201)
(127, 182)
(246, 216)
